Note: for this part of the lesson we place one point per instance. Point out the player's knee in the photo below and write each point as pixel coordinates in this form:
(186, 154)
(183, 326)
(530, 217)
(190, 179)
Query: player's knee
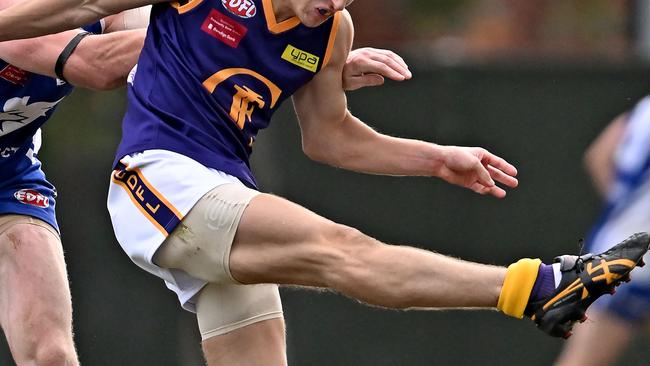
(343, 253)
(55, 353)
(46, 349)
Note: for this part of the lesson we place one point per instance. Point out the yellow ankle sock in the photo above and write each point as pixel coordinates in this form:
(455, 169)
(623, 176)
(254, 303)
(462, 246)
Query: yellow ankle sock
(519, 282)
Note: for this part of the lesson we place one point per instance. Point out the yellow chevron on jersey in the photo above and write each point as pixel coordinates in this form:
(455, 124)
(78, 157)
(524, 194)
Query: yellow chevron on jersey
(301, 58)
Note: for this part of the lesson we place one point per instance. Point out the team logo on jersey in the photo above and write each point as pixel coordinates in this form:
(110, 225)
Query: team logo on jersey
(245, 100)
(224, 28)
(243, 105)
(300, 58)
(17, 112)
(32, 197)
(240, 8)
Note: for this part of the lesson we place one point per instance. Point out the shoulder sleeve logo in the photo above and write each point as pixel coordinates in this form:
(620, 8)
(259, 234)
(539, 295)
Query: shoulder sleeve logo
(240, 8)
(300, 58)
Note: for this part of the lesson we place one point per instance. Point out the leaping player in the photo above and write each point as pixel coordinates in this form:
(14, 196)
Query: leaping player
(185, 205)
(35, 75)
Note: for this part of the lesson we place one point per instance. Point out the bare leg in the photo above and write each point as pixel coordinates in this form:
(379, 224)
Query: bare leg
(586, 346)
(278, 241)
(260, 344)
(35, 305)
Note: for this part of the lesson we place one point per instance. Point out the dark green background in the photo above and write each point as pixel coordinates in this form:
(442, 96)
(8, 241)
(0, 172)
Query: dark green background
(540, 117)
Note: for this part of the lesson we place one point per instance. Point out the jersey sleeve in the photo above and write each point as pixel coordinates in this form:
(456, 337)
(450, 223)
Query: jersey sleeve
(95, 28)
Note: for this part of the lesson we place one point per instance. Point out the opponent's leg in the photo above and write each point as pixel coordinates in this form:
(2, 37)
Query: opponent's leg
(587, 347)
(35, 305)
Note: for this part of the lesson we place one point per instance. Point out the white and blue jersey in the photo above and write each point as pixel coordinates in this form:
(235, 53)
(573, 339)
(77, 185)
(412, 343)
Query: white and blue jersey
(626, 211)
(27, 101)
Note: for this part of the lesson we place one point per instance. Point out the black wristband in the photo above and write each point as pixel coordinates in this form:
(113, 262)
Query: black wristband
(65, 54)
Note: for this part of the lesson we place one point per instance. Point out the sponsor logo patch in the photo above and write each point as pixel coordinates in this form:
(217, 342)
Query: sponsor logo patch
(14, 75)
(224, 28)
(32, 197)
(240, 8)
(300, 58)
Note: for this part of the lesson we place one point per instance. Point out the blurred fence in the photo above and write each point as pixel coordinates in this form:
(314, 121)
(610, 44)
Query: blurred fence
(539, 116)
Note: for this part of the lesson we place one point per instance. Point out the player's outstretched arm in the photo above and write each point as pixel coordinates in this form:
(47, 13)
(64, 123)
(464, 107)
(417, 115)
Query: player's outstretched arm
(369, 66)
(330, 134)
(99, 62)
(31, 18)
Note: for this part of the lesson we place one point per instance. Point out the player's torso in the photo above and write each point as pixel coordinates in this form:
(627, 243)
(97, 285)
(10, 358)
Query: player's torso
(628, 199)
(27, 101)
(212, 73)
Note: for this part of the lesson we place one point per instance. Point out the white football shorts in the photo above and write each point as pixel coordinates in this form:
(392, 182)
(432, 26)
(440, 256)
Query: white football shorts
(147, 199)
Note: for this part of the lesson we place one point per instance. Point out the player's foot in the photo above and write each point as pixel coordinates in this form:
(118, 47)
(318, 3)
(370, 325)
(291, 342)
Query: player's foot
(584, 279)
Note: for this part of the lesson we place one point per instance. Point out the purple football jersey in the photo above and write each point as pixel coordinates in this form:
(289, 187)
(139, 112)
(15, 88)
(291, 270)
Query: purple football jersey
(211, 75)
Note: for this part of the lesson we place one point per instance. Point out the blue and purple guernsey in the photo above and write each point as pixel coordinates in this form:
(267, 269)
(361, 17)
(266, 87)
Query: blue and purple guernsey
(27, 100)
(211, 75)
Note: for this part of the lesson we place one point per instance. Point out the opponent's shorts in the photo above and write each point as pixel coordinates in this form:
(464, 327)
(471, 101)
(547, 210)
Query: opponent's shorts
(149, 195)
(24, 190)
(632, 300)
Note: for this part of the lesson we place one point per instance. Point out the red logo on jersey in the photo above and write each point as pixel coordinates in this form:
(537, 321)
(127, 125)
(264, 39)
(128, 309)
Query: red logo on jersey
(32, 197)
(14, 75)
(224, 28)
(241, 8)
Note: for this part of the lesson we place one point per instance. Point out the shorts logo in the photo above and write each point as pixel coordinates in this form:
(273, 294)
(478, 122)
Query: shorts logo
(224, 28)
(149, 201)
(240, 8)
(32, 197)
(300, 58)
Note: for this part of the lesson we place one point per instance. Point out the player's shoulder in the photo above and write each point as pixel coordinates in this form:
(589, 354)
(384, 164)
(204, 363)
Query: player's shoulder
(345, 30)
(346, 26)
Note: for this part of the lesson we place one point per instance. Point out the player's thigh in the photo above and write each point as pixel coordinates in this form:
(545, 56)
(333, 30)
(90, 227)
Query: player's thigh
(236, 235)
(34, 292)
(278, 241)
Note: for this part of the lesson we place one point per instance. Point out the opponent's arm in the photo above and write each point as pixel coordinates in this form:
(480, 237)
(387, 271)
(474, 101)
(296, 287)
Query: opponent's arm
(99, 62)
(330, 134)
(33, 18)
(599, 157)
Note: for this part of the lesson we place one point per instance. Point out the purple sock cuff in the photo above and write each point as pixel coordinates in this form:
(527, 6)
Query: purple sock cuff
(544, 284)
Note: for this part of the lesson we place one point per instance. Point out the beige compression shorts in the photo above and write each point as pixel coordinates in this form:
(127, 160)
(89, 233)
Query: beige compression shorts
(200, 245)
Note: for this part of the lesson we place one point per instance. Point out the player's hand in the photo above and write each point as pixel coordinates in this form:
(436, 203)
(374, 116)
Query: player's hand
(368, 67)
(477, 169)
